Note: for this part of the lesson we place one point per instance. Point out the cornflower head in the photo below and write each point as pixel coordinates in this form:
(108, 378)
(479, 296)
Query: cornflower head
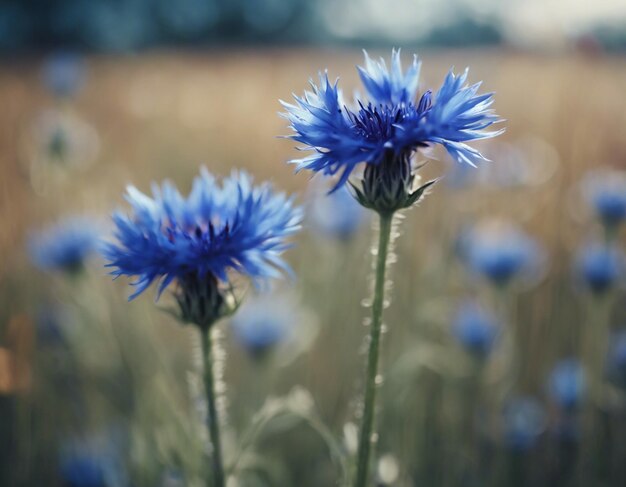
(524, 420)
(63, 74)
(269, 320)
(501, 252)
(94, 461)
(384, 129)
(600, 267)
(263, 323)
(172, 478)
(605, 192)
(336, 215)
(475, 328)
(49, 323)
(617, 359)
(198, 241)
(567, 384)
(64, 246)
(84, 471)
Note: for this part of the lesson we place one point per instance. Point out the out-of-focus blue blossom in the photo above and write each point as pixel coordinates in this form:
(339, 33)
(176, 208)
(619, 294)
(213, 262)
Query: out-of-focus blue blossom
(500, 252)
(475, 328)
(567, 427)
(265, 321)
(96, 460)
(600, 267)
(188, 18)
(524, 420)
(49, 325)
(83, 470)
(391, 122)
(567, 384)
(274, 322)
(606, 193)
(64, 246)
(336, 215)
(64, 73)
(235, 226)
(617, 358)
(172, 478)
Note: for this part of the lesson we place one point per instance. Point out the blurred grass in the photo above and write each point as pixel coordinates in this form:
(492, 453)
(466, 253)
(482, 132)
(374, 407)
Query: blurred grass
(162, 115)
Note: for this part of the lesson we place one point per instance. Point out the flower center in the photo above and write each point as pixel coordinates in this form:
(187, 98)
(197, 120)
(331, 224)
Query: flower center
(377, 123)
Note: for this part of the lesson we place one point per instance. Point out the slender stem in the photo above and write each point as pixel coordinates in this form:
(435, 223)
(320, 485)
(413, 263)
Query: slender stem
(367, 425)
(213, 420)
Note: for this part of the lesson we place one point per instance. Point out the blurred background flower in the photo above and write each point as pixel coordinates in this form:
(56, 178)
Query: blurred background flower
(65, 246)
(524, 420)
(605, 192)
(274, 323)
(502, 252)
(64, 73)
(567, 384)
(600, 267)
(617, 359)
(475, 328)
(334, 215)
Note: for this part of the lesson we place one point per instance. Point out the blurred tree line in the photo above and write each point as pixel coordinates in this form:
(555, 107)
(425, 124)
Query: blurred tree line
(129, 25)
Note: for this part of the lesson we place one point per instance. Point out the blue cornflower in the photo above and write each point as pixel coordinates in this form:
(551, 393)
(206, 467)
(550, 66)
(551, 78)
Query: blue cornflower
(49, 322)
(95, 460)
(336, 214)
(606, 193)
(264, 322)
(475, 328)
(500, 252)
(600, 267)
(567, 384)
(84, 470)
(197, 240)
(617, 358)
(64, 246)
(385, 128)
(64, 73)
(172, 478)
(524, 420)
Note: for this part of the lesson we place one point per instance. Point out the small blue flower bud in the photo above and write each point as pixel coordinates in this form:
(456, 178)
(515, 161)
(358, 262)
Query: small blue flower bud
(600, 267)
(475, 329)
(64, 246)
(606, 193)
(617, 359)
(264, 322)
(524, 420)
(83, 470)
(335, 215)
(567, 384)
(501, 252)
(64, 74)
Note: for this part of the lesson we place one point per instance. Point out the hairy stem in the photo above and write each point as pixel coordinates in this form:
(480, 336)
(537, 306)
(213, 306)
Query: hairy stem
(369, 406)
(212, 420)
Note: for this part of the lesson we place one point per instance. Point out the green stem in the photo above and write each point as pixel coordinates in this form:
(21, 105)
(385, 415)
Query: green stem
(367, 425)
(213, 421)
